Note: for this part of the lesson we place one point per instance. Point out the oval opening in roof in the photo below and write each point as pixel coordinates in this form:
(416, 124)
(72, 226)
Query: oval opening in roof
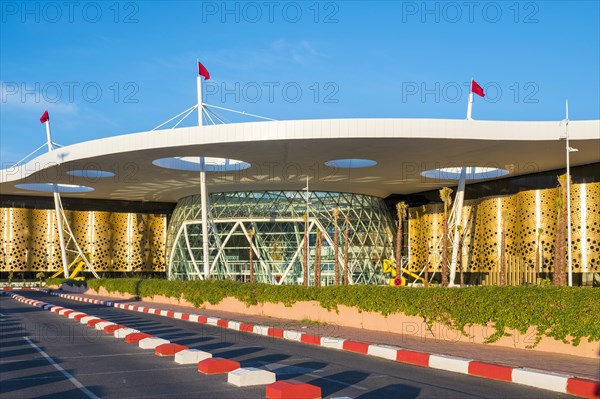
(351, 163)
(213, 164)
(91, 173)
(471, 173)
(54, 187)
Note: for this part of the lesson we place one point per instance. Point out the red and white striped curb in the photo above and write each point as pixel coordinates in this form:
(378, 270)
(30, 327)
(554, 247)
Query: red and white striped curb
(562, 383)
(236, 375)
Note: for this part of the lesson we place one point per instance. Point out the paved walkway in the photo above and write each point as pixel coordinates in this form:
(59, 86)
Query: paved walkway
(565, 364)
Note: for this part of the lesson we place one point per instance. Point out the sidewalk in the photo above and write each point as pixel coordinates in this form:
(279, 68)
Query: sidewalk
(556, 363)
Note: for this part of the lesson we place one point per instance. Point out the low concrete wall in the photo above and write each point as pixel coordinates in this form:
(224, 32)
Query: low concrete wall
(396, 323)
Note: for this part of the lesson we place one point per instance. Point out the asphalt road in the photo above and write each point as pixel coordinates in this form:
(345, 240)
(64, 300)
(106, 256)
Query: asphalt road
(44, 355)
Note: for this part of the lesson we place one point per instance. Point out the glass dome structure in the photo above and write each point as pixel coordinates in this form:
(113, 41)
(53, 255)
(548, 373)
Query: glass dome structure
(276, 224)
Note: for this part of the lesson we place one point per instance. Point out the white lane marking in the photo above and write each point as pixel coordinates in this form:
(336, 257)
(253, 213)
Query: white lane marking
(117, 355)
(73, 380)
(56, 377)
(119, 372)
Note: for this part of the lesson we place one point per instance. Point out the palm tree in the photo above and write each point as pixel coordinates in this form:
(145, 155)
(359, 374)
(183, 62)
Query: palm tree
(445, 193)
(250, 236)
(559, 275)
(425, 233)
(460, 242)
(346, 236)
(336, 247)
(401, 212)
(318, 246)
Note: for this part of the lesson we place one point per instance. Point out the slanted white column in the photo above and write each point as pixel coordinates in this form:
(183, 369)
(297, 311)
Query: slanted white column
(458, 202)
(58, 212)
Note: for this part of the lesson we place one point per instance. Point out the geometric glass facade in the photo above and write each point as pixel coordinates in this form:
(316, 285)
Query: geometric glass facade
(269, 227)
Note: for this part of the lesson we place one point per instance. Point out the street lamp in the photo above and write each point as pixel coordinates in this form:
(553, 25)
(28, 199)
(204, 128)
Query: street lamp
(568, 151)
(306, 235)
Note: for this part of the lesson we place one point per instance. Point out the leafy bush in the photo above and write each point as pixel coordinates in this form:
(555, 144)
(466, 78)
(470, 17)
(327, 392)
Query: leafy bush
(564, 313)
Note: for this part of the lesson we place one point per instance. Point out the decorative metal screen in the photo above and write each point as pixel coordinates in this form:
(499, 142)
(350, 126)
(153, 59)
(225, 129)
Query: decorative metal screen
(114, 241)
(529, 219)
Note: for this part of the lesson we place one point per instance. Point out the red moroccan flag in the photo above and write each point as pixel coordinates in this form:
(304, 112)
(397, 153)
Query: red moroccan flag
(203, 71)
(45, 117)
(475, 88)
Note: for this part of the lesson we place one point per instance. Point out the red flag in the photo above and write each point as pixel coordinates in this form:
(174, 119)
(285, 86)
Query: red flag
(475, 88)
(203, 71)
(45, 117)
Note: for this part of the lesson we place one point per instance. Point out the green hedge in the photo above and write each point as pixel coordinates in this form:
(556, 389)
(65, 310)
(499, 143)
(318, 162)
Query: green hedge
(564, 313)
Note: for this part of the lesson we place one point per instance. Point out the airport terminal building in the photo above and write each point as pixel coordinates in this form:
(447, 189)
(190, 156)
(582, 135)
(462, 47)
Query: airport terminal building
(294, 195)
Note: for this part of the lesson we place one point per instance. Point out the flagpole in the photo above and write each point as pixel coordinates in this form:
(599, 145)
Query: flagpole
(203, 194)
(470, 104)
(57, 211)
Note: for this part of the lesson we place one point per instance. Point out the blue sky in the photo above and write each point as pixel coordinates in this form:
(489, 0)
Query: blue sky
(107, 68)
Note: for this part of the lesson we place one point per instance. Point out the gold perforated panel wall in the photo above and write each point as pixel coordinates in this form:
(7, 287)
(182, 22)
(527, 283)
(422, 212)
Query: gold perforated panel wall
(16, 231)
(157, 228)
(537, 217)
(585, 206)
(114, 241)
(92, 231)
(529, 219)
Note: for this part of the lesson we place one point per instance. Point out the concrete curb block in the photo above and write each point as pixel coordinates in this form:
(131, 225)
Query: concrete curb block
(235, 325)
(250, 376)
(152, 343)
(191, 356)
(333, 343)
(113, 328)
(383, 351)
(449, 363)
(135, 338)
(291, 389)
(193, 318)
(217, 365)
(100, 326)
(261, 330)
(540, 379)
(86, 319)
(292, 335)
(169, 349)
(121, 333)
(75, 314)
(562, 383)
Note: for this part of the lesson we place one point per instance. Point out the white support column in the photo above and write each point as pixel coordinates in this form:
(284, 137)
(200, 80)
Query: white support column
(58, 213)
(203, 194)
(458, 201)
(307, 244)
